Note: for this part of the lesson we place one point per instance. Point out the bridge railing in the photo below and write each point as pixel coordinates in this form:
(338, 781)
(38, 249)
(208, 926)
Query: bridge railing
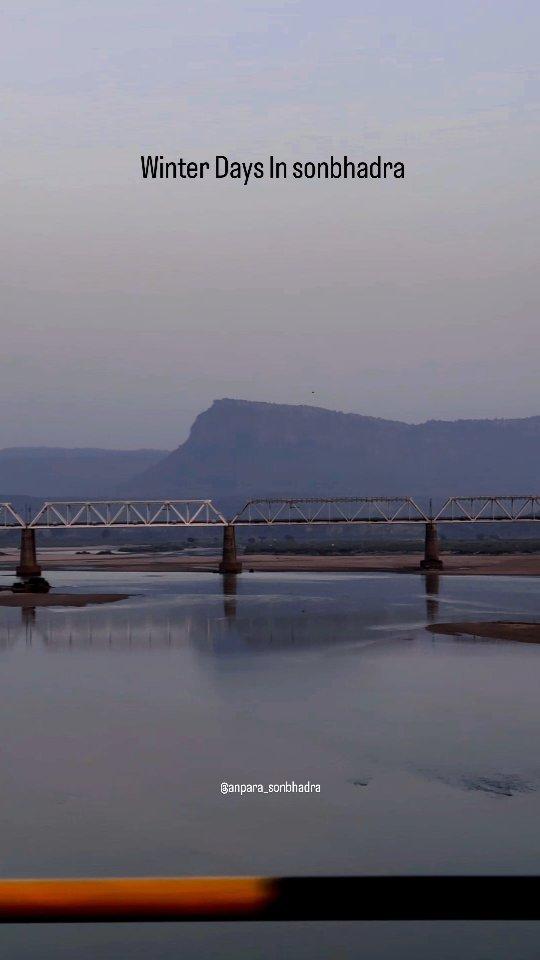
(78, 514)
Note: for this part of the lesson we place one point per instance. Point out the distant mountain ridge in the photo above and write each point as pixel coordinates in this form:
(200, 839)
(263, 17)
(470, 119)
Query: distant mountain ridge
(240, 448)
(56, 472)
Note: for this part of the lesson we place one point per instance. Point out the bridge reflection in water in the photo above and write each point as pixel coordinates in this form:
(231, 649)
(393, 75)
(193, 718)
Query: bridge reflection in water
(203, 623)
(432, 583)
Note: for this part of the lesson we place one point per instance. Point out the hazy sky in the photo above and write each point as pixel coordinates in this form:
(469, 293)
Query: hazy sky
(128, 305)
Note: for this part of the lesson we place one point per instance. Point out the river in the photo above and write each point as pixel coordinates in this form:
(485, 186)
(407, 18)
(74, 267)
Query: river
(120, 722)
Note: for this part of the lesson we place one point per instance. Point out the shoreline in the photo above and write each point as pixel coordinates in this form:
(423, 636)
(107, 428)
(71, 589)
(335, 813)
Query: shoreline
(64, 559)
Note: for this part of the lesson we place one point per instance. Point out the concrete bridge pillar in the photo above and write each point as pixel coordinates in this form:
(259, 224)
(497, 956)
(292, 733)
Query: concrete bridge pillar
(432, 560)
(28, 565)
(229, 560)
(28, 568)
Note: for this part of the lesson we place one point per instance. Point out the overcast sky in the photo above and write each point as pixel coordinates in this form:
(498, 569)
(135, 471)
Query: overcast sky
(129, 305)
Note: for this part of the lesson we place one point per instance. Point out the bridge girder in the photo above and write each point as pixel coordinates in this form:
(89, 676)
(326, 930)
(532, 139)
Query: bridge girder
(270, 511)
(9, 518)
(89, 514)
(490, 509)
(325, 510)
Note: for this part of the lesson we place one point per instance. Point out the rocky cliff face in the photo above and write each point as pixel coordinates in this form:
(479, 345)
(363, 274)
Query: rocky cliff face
(240, 448)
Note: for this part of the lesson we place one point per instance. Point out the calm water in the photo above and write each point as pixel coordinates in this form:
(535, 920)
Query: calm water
(120, 722)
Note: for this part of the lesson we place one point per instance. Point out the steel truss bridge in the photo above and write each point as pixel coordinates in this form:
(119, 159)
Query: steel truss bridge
(357, 510)
(122, 514)
(9, 519)
(310, 511)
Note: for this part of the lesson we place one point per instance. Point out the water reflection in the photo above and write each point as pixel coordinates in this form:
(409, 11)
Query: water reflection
(228, 614)
(432, 583)
(264, 620)
(220, 635)
(230, 589)
(111, 764)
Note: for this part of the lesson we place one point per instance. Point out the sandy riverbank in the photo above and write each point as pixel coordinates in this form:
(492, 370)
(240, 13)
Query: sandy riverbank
(496, 630)
(525, 565)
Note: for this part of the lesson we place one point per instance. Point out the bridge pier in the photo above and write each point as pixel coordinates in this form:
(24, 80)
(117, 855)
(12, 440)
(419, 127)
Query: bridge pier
(229, 560)
(432, 560)
(28, 569)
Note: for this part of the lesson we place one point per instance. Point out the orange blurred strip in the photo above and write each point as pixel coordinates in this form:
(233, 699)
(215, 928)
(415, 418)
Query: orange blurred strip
(274, 898)
(134, 898)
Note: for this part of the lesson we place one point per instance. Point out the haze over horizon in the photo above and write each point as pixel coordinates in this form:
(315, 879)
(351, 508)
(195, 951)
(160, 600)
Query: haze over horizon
(129, 305)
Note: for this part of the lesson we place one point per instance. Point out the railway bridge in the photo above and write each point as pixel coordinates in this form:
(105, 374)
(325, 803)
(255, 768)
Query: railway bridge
(311, 512)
